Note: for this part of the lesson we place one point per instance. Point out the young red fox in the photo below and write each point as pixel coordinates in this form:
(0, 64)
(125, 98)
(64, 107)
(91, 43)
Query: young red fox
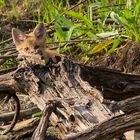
(28, 43)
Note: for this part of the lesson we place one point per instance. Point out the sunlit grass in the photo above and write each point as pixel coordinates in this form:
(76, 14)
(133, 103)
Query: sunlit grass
(92, 20)
(2, 5)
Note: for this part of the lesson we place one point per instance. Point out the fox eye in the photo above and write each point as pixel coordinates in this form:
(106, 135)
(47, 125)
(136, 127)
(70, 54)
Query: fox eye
(36, 46)
(26, 49)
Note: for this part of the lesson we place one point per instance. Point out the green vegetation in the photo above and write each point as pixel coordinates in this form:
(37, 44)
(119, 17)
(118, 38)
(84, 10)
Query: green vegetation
(2, 4)
(81, 28)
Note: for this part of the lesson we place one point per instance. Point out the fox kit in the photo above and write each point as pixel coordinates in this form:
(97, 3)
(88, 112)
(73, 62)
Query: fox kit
(29, 43)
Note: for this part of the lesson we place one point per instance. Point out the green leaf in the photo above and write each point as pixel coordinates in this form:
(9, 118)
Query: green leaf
(100, 47)
(107, 34)
(115, 17)
(37, 114)
(60, 33)
(85, 58)
(137, 9)
(116, 43)
(69, 33)
(62, 22)
(82, 17)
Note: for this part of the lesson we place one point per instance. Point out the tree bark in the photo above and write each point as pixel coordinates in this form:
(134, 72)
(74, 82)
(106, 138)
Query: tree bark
(110, 128)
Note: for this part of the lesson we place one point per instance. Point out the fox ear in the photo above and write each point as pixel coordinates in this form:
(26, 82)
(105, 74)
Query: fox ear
(18, 36)
(39, 31)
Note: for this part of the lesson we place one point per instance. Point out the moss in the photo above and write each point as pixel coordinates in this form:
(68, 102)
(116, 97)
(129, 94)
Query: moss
(53, 133)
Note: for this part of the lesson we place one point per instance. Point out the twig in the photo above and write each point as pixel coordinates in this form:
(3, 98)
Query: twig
(3, 60)
(28, 20)
(81, 40)
(23, 114)
(8, 56)
(7, 50)
(6, 41)
(4, 49)
(72, 41)
(8, 92)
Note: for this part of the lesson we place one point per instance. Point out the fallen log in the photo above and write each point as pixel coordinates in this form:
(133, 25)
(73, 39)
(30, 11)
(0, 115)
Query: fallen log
(128, 106)
(73, 84)
(114, 84)
(110, 128)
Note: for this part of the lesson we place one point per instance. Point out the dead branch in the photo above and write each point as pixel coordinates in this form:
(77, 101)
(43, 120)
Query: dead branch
(40, 132)
(130, 105)
(8, 56)
(6, 41)
(23, 114)
(8, 92)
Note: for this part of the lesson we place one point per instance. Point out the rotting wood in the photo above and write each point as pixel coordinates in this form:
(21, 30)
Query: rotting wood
(64, 81)
(40, 132)
(114, 84)
(128, 106)
(22, 130)
(72, 84)
(23, 114)
(110, 128)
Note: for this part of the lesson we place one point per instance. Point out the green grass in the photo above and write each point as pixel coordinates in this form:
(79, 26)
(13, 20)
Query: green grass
(2, 5)
(94, 20)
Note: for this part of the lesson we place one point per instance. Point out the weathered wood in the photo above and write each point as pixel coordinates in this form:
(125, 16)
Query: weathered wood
(23, 114)
(128, 106)
(73, 84)
(110, 128)
(22, 130)
(114, 84)
(62, 81)
(40, 132)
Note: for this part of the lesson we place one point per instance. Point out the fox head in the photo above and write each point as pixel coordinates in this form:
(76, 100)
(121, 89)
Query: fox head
(27, 43)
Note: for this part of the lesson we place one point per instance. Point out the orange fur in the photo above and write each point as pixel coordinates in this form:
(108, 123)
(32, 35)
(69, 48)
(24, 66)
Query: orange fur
(29, 43)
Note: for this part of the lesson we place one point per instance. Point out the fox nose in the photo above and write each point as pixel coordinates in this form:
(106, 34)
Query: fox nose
(36, 46)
